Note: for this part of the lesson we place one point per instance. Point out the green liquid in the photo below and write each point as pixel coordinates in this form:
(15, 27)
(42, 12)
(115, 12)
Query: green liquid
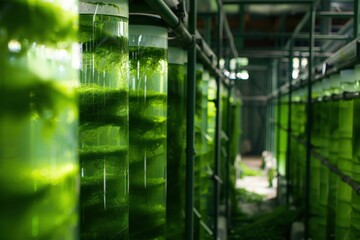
(148, 142)
(355, 200)
(176, 153)
(38, 115)
(42, 206)
(282, 138)
(318, 212)
(103, 135)
(333, 137)
(297, 166)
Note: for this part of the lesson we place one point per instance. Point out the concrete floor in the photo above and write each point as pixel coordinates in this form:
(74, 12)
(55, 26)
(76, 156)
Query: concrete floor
(259, 185)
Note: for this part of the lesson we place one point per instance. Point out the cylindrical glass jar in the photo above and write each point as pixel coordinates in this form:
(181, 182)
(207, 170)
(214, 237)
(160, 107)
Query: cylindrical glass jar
(205, 161)
(104, 125)
(199, 142)
(176, 144)
(38, 119)
(148, 131)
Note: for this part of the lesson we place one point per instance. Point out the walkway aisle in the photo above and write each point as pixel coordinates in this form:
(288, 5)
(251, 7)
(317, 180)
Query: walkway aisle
(258, 185)
(258, 216)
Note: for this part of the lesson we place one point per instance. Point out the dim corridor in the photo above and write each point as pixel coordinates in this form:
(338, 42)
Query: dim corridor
(258, 185)
(259, 215)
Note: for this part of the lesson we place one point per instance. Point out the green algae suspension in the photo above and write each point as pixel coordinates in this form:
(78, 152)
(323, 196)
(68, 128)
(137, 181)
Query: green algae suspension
(38, 119)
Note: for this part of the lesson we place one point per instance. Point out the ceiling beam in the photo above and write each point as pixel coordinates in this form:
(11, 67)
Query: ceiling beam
(246, 2)
(330, 14)
(279, 54)
(297, 36)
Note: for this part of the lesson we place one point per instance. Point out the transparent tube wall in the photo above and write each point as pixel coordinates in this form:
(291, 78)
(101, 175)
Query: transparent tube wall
(199, 145)
(104, 126)
(176, 144)
(148, 115)
(38, 119)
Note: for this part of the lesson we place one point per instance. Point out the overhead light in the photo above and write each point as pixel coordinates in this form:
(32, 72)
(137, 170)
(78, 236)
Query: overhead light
(295, 73)
(243, 61)
(222, 63)
(232, 76)
(244, 75)
(296, 63)
(226, 73)
(233, 64)
(304, 62)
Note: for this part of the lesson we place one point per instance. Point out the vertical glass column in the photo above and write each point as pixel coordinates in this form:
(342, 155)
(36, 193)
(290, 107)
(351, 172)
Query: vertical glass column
(199, 147)
(38, 119)
(343, 190)
(345, 163)
(148, 131)
(332, 86)
(355, 198)
(301, 120)
(205, 161)
(103, 133)
(323, 149)
(317, 228)
(176, 145)
(284, 105)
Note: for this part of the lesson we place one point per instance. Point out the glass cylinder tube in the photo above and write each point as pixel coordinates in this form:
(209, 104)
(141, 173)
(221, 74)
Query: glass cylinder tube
(104, 126)
(176, 145)
(38, 119)
(205, 161)
(148, 135)
(199, 143)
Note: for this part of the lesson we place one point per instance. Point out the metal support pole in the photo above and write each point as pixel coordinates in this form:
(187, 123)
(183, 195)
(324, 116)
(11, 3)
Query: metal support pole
(288, 147)
(240, 40)
(329, 14)
(356, 18)
(227, 164)
(190, 132)
(278, 116)
(207, 29)
(309, 120)
(242, 2)
(274, 75)
(218, 123)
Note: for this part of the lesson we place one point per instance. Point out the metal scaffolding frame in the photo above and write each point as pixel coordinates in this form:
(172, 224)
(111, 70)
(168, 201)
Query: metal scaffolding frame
(198, 50)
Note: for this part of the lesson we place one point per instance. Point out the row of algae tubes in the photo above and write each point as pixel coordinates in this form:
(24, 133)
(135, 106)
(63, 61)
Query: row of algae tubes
(104, 124)
(333, 204)
(175, 191)
(148, 132)
(38, 120)
(103, 140)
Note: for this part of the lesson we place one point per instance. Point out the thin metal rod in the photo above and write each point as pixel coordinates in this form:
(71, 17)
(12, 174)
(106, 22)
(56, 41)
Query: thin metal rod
(278, 54)
(227, 163)
(218, 123)
(309, 122)
(190, 128)
(172, 21)
(302, 23)
(242, 2)
(288, 147)
(188, 40)
(329, 14)
(355, 185)
(230, 37)
(356, 18)
(278, 117)
(304, 36)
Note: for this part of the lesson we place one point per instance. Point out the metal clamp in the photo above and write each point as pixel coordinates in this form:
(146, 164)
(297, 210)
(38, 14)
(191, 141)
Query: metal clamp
(217, 179)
